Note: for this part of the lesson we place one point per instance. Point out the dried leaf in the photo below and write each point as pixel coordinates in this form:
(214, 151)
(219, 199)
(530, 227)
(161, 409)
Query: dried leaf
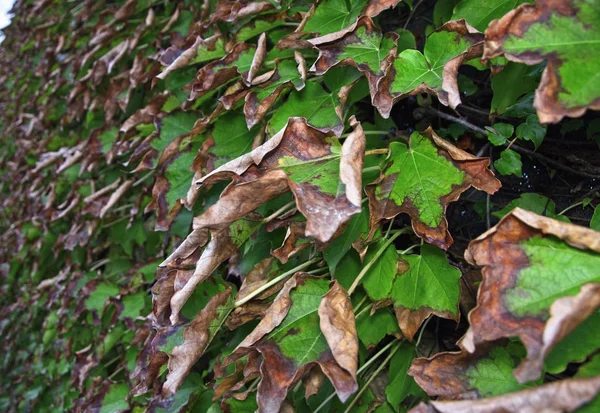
(557, 397)
(435, 71)
(530, 262)
(296, 333)
(562, 33)
(436, 174)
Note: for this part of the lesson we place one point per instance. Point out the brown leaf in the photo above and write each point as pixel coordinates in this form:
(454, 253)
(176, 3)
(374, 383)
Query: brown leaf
(338, 326)
(294, 242)
(526, 19)
(184, 58)
(258, 176)
(255, 107)
(503, 258)
(196, 337)
(557, 397)
(234, 10)
(377, 6)
(216, 73)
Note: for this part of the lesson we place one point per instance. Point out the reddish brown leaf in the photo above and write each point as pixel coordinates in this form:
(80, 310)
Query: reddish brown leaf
(510, 254)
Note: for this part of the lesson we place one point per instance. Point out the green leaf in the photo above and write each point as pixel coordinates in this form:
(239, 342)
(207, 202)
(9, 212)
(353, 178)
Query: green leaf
(576, 347)
(372, 329)
(595, 221)
(379, 278)
(334, 15)
(430, 285)
(114, 400)
(556, 270)
(512, 82)
(537, 203)
(315, 104)
(442, 11)
(174, 126)
(532, 131)
(307, 341)
(509, 163)
(401, 385)
(567, 39)
(335, 251)
(96, 300)
(500, 133)
(479, 13)
(590, 369)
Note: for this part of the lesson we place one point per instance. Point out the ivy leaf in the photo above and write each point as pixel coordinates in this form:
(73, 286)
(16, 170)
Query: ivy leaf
(430, 285)
(263, 97)
(480, 13)
(461, 375)
(434, 71)
(238, 61)
(544, 261)
(373, 328)
(510, 84)
(335, 250)
(364, 48)
(323, 110)
(532, 131)
(563, 35)
(318, 170)
(499, 133)
(379, 278)
(222, 245)
(537, 203)
(202, 50)
(196, 336)
(401, 385)
(576, 346)
(421, 178)
(509, 163)
(308, 324)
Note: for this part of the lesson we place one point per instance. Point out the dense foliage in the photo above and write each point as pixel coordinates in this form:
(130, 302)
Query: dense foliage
(281, 205)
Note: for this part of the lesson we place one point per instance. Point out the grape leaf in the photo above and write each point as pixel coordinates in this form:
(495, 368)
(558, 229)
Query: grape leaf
(434, 71)
(565, 35)
(543, 261)
(420, 178)
(430, 285)
(480, 13)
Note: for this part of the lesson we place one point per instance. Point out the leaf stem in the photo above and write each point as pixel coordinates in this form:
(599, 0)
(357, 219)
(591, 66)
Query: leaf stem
(381, 151)
(360, 370)
(575, 205)
(360, 303)
(362, 311)
(409, 249)
(378, 254)
(279, 212)
(375, 373)
(274, 281)
(371, 169)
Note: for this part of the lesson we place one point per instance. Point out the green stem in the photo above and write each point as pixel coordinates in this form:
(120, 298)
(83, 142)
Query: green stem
(409, 249)
(360, 303)
(360, 370)
(279, 212)
(375, 373)
(274, 281)
(362, 311)
(575, 205)
(382, 151)
(378, 254)
(371, 169)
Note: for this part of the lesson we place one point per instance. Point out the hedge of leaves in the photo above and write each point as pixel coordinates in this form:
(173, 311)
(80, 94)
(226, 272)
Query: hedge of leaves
(217, 206)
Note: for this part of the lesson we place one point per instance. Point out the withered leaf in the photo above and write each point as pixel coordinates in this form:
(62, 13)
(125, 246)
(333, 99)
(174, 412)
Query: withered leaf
(531, 263)
(262, 97)
(319, 171)
(365, 48)
(307, 325)
(421, 179)
(564, 34)
(435, 71)
(557, 397)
